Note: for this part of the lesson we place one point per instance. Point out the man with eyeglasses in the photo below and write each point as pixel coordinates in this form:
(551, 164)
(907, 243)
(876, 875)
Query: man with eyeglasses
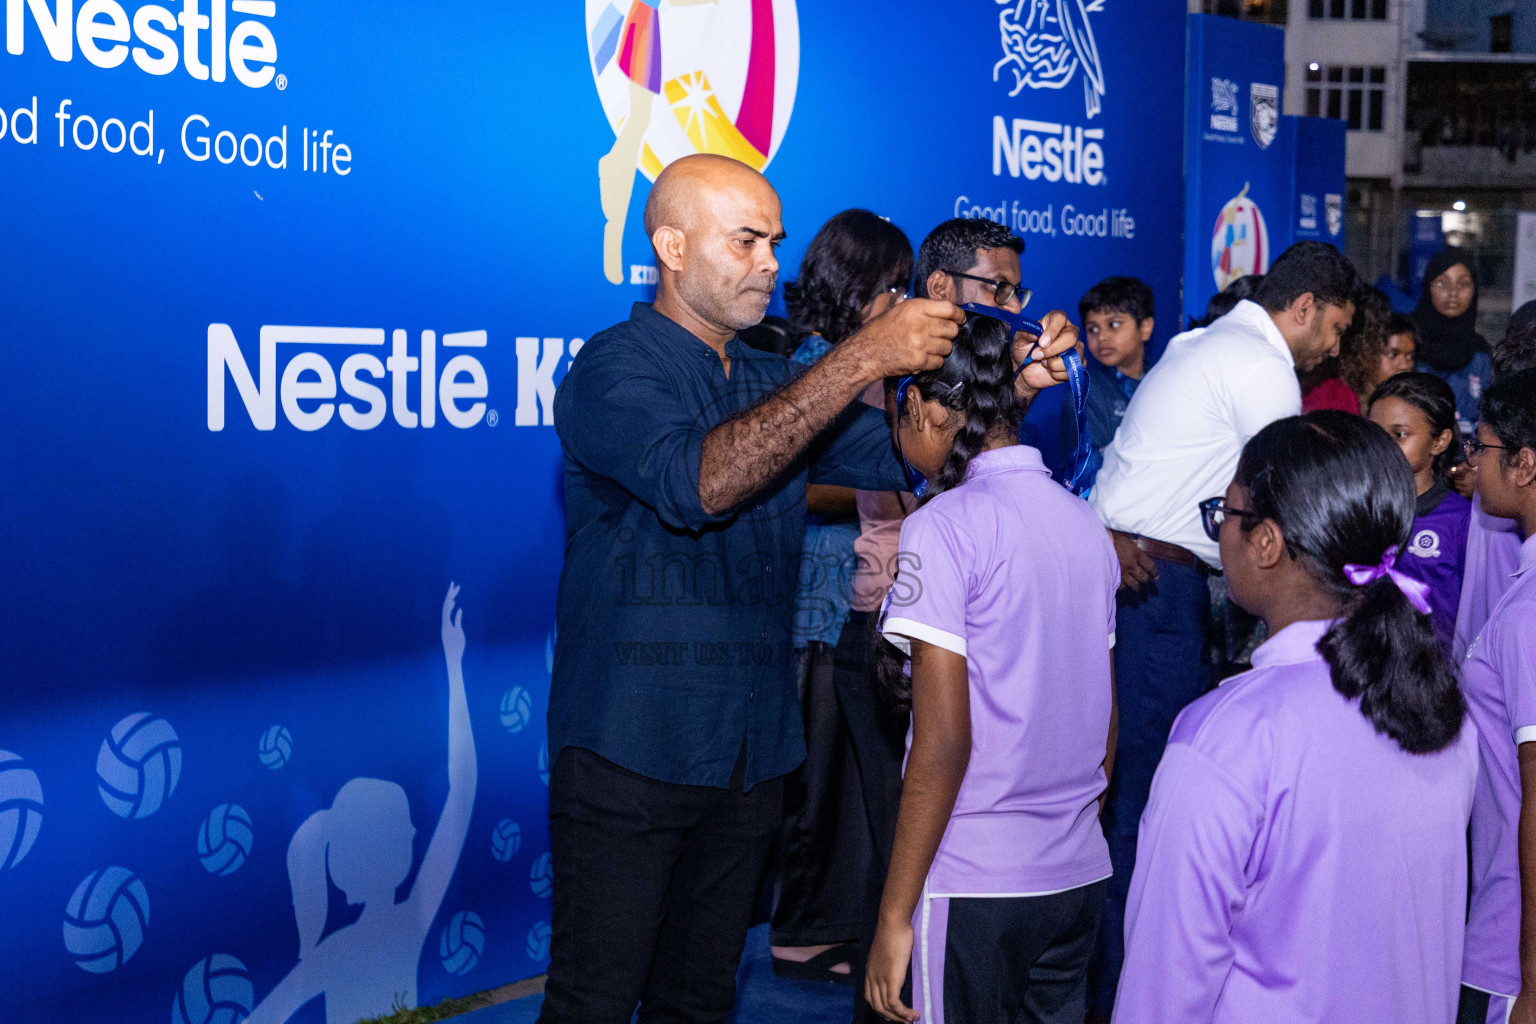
(972, 261)
(1212, 390)
(673, 716)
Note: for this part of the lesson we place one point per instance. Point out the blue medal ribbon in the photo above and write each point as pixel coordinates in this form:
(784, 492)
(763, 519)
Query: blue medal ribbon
(1077, 380)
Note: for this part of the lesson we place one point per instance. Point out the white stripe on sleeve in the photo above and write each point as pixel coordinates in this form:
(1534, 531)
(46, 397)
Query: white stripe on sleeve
(898, 631)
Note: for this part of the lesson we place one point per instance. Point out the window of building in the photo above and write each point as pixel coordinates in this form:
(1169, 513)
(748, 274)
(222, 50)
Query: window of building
(1355, 95)
(1271, 11)
(1501, 33)
(1353, 10)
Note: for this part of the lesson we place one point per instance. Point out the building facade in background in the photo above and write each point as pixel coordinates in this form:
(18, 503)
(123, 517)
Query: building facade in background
(1440, 100)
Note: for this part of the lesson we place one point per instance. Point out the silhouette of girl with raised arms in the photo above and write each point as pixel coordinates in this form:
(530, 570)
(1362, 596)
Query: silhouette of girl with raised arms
(363, 843)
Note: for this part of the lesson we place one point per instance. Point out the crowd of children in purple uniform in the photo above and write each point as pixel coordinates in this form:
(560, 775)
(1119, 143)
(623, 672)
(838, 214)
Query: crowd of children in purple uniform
(1304, 848)
(1096, 812)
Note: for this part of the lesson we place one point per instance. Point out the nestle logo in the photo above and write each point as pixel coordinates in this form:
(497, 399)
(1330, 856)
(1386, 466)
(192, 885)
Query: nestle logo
(102, 32)
(1041, 149)
(1224, 104)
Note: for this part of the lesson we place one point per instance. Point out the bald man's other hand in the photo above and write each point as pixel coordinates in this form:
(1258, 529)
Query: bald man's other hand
(910, 338)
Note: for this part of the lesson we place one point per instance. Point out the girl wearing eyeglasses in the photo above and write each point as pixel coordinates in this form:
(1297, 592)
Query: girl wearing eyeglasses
(1005, 599)
(1449, 345)
(1500, 682)
(1303, 854)
(1418, 411)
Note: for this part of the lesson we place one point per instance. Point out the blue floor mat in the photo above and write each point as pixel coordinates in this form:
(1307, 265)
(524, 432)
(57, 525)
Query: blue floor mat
(761, 997)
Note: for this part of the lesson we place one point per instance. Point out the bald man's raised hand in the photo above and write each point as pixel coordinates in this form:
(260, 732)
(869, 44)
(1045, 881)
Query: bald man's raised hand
(909, 338)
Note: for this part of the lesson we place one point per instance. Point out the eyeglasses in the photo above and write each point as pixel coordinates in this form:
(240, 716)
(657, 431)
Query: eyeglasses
(1214, 511)
(1473, 449)
(1463, 285)
(1002, 291)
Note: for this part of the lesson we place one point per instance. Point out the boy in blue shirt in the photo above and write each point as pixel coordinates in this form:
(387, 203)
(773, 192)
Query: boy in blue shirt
(1117, 324)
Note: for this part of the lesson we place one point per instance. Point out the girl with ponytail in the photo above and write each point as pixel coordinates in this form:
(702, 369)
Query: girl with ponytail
(1005, 602)
(1303, 854)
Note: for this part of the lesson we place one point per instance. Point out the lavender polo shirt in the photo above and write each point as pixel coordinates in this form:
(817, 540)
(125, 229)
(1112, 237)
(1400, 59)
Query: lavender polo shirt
(1499, 679)
(1493, 555)
(1293, 863)
(1013, 572)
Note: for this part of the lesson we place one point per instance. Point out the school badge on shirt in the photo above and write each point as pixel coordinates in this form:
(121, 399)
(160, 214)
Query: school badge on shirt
(1425, 544)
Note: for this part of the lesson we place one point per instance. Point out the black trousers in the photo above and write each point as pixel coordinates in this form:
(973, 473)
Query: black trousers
(1020, 960)
(1473, 1006)
(653, 890)
(878, 737)
(825, 847)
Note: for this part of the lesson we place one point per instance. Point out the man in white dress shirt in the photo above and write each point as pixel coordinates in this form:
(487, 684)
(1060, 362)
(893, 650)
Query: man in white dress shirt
(1212, 390)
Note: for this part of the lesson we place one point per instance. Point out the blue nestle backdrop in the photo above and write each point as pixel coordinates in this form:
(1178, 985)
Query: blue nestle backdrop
(1318, 187)
(287, 290)
(1238, 193)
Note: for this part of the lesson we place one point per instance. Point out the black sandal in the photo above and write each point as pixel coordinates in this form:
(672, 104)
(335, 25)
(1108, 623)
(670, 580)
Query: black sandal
(819, 967)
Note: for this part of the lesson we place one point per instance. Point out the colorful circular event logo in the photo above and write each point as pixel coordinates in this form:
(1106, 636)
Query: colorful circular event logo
(1240, 242)
(677, 77)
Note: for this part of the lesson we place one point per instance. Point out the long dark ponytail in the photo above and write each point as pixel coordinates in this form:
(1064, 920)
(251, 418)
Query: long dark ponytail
(975, 381)
(1339, 490)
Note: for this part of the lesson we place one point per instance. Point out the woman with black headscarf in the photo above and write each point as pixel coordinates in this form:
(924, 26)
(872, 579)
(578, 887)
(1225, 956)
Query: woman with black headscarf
(1449, 345)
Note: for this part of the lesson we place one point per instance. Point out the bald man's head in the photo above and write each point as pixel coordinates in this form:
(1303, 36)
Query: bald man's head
(684, 183)
(714, 223)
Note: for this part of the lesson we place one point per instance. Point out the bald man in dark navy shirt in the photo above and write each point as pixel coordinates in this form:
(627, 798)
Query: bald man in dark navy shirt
(673, 714)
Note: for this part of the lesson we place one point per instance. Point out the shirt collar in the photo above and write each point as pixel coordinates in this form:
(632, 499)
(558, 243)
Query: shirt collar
(1431, 499)
(1256, 316)
(1004, 460)
(1527, 555)
(1293, 645)
(645, 313)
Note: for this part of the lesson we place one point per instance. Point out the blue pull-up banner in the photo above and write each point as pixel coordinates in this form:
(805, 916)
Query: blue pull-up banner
(1239, 158)
(287, 292)
(1318, 186)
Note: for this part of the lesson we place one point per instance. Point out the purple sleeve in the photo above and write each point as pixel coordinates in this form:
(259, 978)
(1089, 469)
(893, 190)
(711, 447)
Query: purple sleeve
(1492, 553)
(1196, 835)
(928, 601)
(1514, 653)
(1113, 563)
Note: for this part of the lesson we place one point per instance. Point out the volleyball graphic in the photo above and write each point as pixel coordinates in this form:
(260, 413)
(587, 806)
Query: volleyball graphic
(462, 943)
(506, 837)
(21, 809)
(224, 841)
(1240, 241)
(516, 709)
(681, 78)
(139, 765)
(276, 747)
(541, 877)
(538, 941)
(105, 920)
(544, 762)
(217, 990)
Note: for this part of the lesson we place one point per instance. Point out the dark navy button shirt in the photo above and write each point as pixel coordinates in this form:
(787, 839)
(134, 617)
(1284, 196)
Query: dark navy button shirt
(673, 646)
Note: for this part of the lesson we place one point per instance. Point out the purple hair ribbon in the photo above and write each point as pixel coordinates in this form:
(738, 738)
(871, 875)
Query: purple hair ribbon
(1416, 591)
